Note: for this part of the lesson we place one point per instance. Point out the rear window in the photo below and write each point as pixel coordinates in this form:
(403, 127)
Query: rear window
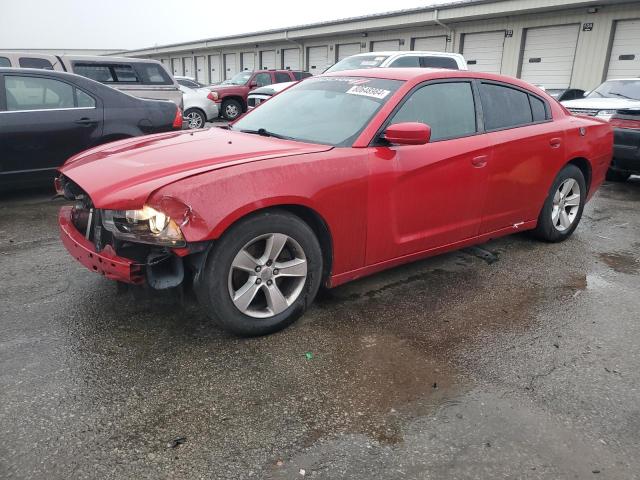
(438, 62)
(144, 73)
(5, 62)
(125, 74)
(282, 77)
(154, 74)
(28, 62)
(99, 73)
(504, 107)
(301, 75)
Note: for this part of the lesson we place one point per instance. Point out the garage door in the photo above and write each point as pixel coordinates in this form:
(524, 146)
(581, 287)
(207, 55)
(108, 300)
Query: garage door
(176, 66)
(483, 51)
(291, 59)
(431, 44)
(188, 66)
(201, 69)
(548, 55)
(214, 69)
(248, 61)
(317, 59)
(230, 65)
(625, 51)
(347, 49)
(385, 45)
(268, 59)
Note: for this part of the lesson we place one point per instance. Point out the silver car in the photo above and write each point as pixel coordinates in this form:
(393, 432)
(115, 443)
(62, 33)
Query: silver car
(199, 107)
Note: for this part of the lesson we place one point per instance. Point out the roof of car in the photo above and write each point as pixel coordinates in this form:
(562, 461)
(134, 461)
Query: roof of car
(406, 52)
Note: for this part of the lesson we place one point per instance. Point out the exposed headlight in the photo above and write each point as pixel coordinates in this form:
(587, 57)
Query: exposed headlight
(144, 226)
(213, 96)
(606, 114)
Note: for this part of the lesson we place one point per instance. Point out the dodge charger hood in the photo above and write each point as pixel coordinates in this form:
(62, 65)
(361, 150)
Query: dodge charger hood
(121, 175)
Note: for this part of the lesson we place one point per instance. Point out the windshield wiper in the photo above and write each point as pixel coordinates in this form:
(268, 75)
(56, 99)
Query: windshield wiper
(265, 133)
(621, 95)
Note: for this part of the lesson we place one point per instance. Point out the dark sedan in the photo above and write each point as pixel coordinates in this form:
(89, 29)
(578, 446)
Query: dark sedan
(46, 117)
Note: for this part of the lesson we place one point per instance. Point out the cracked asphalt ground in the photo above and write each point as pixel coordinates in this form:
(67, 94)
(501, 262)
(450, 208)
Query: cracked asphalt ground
(452, 367)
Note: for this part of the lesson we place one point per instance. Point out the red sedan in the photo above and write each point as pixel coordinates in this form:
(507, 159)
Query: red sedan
(338, 177)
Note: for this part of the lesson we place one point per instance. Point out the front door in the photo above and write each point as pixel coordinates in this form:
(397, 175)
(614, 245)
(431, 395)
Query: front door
(44, 122)
(426, 196)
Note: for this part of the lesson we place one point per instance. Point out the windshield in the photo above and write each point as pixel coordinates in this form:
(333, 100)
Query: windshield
(326, 110)
(618, 89)
(358, 62)
(238, 79)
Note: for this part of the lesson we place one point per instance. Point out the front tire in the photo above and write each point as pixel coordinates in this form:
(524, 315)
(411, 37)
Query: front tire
(195, 118)
(563, 207)
(231, 109)
(262, 274)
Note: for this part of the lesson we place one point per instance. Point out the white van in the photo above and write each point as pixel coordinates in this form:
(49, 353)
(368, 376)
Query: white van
(140, 77)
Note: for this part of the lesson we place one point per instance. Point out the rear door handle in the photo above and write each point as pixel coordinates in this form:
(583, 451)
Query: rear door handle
(555, 142)
(479, 161)
(87, 122)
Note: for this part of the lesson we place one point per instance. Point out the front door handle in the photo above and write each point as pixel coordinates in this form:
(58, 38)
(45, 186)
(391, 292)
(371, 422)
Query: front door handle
(479, 161)
(555, 142)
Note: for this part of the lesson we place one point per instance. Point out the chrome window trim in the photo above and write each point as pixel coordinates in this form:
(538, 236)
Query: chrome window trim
(48, 110)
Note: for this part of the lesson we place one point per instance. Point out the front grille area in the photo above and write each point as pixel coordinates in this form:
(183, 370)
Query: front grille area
(589, 112)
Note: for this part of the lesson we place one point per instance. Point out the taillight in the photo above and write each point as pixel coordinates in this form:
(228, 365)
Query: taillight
(617, 122)
(177, 122)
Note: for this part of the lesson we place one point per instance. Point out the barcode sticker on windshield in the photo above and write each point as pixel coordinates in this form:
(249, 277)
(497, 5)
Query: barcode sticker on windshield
(368, 91)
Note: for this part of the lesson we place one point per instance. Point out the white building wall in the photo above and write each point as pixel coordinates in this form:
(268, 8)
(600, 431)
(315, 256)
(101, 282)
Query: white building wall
(591, 57)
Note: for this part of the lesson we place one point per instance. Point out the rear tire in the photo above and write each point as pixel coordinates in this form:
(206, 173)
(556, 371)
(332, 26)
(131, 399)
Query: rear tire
(615, 176)
(195, 118)
(563, 207)
(246, 291)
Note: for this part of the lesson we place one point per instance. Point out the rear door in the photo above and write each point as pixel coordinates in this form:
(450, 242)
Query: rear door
(426, 196)
(526, 145)
(44, 122)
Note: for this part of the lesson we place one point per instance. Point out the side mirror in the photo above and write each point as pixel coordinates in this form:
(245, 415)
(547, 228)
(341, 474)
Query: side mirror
(253, 84)
(407, 133)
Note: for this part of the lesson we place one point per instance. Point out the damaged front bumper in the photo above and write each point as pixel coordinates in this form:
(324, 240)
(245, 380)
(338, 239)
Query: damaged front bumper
(105, 262)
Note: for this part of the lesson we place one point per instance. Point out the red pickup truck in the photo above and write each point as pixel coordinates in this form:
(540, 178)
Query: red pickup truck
(232, 94)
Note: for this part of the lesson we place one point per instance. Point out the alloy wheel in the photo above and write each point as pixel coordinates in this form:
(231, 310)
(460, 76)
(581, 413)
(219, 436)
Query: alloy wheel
(566, 204)
(267, 275)
(194, 120)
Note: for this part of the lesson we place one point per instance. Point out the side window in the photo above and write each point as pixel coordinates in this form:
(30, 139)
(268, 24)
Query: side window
(125, 74)
(28, 62)
(406, 62)
(538, 109)
(282, 77)
(154, 74)
(262, 79)
(84, 100)
(5, 62)
(438, 62)
(504, 107)
(301, 75)
(448, 108)
(99, 73)
(33, 93)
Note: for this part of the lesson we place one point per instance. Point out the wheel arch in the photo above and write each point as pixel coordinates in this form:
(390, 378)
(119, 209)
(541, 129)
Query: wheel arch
(304, 212)
(585, 167)
(237, 98)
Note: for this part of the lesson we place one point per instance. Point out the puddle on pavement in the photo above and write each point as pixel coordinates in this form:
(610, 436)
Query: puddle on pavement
(622, 262)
